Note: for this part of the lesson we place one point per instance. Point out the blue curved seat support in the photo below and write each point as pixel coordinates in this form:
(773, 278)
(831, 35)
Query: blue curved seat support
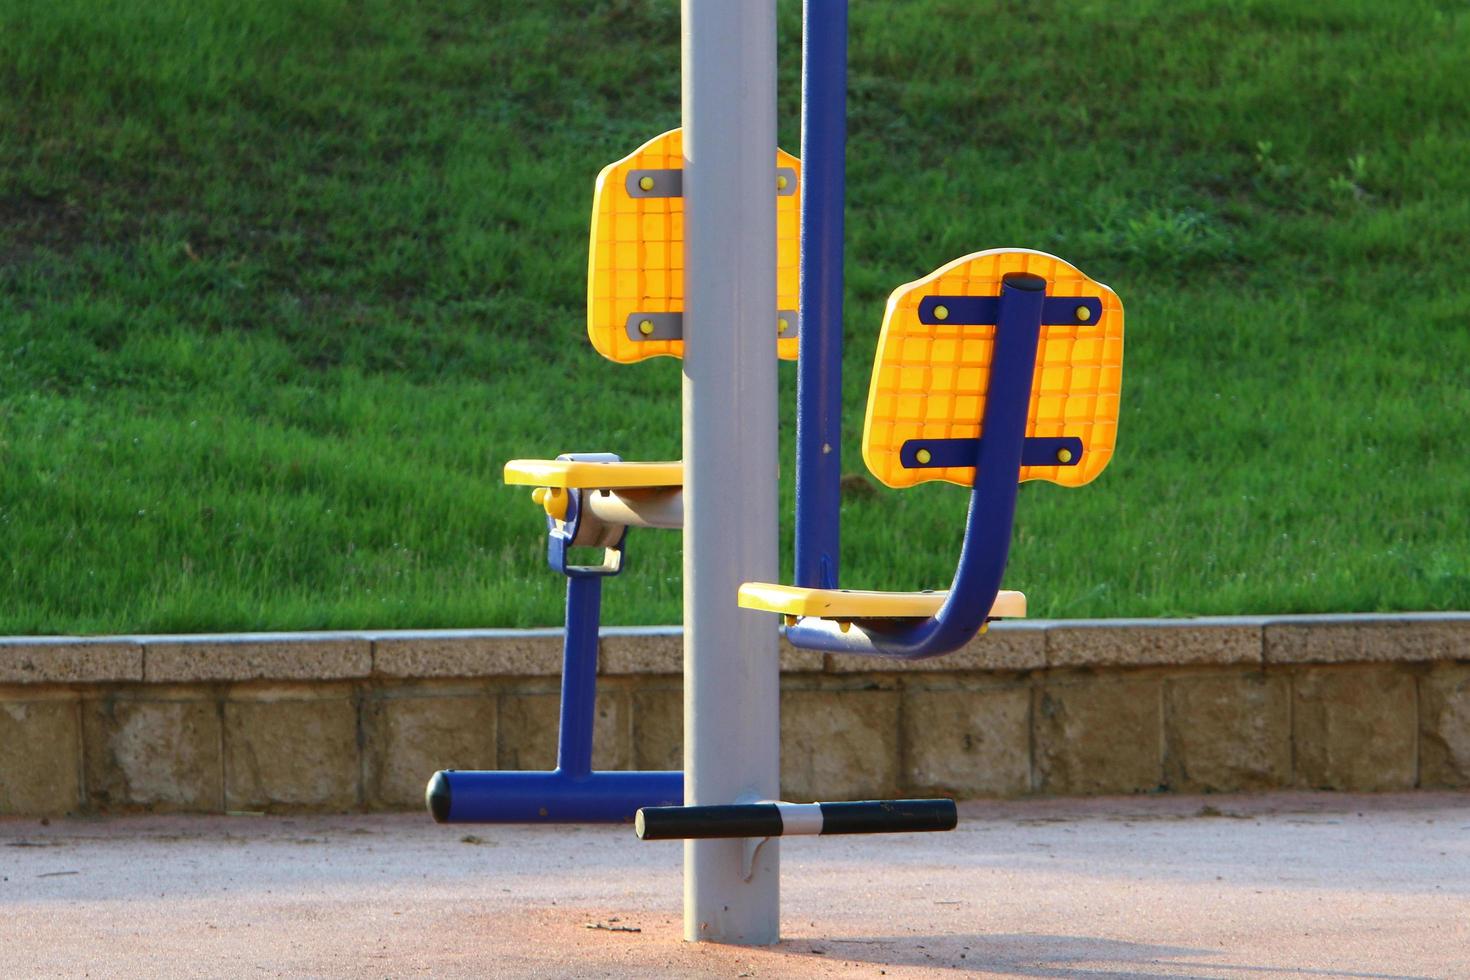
(992, 510)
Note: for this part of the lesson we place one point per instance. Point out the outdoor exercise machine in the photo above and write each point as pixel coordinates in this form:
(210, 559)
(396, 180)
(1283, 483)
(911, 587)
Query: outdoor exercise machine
(711, 245)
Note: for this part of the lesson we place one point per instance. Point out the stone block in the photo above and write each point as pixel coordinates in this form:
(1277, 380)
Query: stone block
(160, 755)
(288, 754)
(256, 657)
(1355, 639)
(68, 660)
(528, 731)
(660, 650)
(1098, 734)
(967, 743)
(839, 745)
(797, 661)
(1154, 643)
(1444, 727)
(468, 653)
(408, 739)
(658, 729)
(1225, 732)
(40, 756)
(1008, 646)
(1355, 727)
(642, 650)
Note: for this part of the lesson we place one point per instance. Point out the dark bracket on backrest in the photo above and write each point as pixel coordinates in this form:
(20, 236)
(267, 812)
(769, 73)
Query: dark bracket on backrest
(1035, 451)
(981, 311)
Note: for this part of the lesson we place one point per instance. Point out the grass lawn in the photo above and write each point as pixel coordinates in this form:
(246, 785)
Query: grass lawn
(284, 283)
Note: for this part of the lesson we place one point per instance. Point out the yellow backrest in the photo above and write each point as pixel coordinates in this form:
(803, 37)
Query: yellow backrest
(636, 263)
(929, 379)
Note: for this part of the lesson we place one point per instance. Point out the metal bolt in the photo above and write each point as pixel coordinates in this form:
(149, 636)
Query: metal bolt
(1084, 314)
(941, 313)
(645, 327)
(923, 456)
(646, 183)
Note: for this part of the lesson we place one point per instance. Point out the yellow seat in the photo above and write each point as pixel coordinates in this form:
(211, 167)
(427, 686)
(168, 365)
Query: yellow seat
(792, 600)
(573, 474)
(930, 380)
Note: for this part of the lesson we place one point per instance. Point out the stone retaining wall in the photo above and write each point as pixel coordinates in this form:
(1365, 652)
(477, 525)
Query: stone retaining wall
(347, 721)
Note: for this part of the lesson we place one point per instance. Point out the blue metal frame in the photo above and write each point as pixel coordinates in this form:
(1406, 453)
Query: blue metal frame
(573, 792)
(560, 534)
(819, 361)
(987, 539)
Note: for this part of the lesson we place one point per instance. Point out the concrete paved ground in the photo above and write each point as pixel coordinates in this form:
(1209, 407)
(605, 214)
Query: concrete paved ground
(1282, 885)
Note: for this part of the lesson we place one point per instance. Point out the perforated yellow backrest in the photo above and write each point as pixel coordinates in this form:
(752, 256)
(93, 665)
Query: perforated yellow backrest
(929, 380)
(636, 263)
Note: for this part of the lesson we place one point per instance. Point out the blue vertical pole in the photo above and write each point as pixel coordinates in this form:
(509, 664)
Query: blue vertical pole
(819, 365)
(579, 676)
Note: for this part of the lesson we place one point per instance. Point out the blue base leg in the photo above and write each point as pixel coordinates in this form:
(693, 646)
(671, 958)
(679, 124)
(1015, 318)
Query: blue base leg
(549, 797)
(573, 793)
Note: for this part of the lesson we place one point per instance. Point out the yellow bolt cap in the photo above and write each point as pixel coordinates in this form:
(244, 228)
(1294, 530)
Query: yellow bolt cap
(1064, 455)
(645, 327)
(782, 182)
(782, 325)
(941, 313)
(923, 456)
(1084, 314)
(646, 183)
(551, 500)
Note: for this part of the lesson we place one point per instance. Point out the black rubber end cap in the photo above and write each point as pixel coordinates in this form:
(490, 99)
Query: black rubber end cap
(949, 816)
(436, 797)
(1024, 280)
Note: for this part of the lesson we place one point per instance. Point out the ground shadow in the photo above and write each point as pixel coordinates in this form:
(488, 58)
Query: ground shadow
(1041, 955)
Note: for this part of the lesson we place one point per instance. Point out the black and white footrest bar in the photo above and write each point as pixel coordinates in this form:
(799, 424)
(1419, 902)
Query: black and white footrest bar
(779, 819)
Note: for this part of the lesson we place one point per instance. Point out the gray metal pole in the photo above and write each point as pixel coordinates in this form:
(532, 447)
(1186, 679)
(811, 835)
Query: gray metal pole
(731, 676)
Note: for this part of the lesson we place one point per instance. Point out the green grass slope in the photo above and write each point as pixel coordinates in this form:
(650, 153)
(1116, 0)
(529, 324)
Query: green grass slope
(283, 284)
